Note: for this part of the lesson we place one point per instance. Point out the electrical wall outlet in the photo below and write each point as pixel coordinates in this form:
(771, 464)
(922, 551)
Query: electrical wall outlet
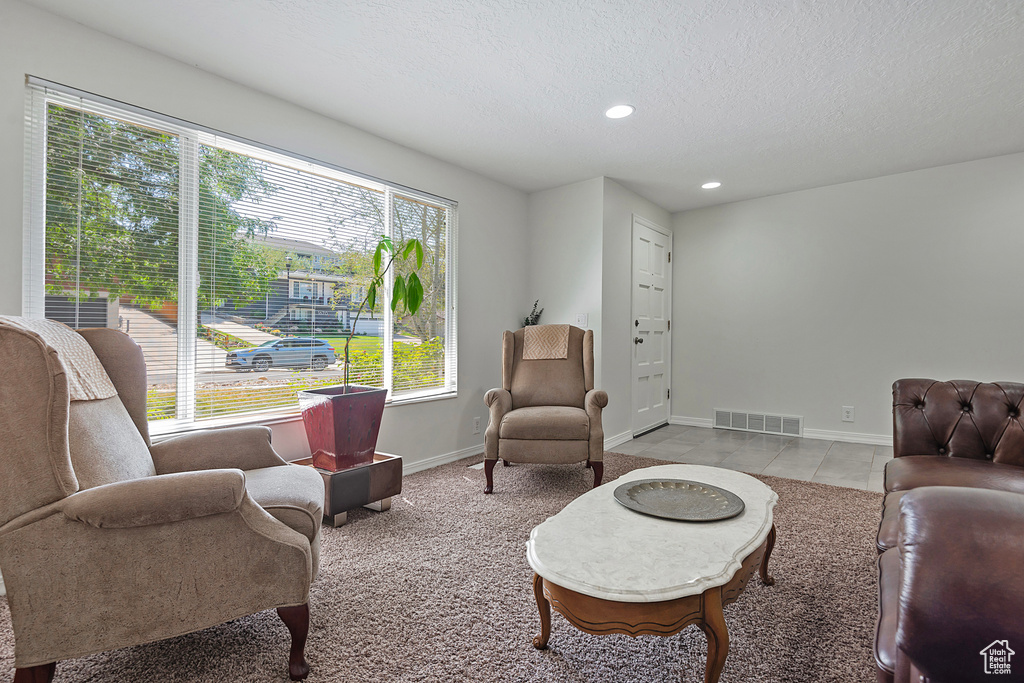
(847, 413)
(476, 425)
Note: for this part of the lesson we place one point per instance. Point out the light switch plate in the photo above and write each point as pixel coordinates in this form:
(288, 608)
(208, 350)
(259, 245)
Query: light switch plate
(581, 320)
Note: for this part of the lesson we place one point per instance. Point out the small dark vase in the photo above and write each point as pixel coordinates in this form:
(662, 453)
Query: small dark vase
(342, 424)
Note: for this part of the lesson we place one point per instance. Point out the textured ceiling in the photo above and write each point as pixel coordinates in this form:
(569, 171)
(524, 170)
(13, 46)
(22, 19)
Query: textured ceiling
(767, 96)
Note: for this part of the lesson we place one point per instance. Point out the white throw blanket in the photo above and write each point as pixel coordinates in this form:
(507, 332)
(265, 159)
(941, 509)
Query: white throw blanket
(87, 380)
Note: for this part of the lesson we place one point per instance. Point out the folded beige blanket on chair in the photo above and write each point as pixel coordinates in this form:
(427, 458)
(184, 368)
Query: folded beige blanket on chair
(546, 342)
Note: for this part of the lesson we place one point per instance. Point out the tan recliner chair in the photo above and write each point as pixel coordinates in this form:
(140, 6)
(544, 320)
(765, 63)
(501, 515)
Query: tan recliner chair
(107, 540)
(547, 410)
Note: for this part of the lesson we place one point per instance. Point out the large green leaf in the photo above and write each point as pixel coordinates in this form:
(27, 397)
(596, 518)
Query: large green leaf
(409, 246)
(376, 258)
(397, 292)
(419, 255)
(413, 293)
(371, 297)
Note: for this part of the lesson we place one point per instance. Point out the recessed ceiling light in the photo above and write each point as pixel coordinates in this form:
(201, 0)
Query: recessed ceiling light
(710, 186)
(620, 111)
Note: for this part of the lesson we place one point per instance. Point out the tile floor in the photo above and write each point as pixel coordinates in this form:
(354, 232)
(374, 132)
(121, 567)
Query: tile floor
(853, 465)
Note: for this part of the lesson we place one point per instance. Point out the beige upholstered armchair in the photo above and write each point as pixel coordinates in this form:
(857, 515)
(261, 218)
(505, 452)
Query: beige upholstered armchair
(547, 409)
(108, 540)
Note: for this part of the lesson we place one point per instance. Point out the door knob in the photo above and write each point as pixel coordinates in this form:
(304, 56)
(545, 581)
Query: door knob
(638, 340)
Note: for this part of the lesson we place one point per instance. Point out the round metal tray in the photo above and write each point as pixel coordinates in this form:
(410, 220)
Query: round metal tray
(689, 501)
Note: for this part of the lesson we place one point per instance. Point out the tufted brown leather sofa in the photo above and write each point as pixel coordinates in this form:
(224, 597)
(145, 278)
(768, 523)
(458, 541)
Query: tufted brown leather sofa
(952, 532)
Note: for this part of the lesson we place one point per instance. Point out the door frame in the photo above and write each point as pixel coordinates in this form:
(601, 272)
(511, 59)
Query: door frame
(647, 223)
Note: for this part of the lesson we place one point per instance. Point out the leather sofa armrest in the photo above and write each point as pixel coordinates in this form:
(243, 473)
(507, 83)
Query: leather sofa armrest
(961, 551)
(157, 500)
(244, 448)
(500, 402)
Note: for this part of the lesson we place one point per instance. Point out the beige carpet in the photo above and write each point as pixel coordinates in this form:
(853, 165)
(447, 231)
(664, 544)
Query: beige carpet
(438, 589)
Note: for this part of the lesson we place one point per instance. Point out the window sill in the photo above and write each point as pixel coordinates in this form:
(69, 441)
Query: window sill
(166, 429)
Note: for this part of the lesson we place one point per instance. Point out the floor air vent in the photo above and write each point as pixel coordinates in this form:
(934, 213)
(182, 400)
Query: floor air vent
(762, 423)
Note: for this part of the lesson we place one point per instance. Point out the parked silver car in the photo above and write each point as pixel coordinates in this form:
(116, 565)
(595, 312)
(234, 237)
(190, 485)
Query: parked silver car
(290, 352)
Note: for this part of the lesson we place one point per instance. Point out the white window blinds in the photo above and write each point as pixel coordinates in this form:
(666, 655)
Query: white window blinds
(239, 270)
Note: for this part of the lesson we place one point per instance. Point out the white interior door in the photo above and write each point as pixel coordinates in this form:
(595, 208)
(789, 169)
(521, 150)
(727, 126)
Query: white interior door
(651, 326)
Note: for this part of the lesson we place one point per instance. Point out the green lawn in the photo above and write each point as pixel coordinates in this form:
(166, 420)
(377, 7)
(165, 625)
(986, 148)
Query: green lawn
(359, 343)
(213, 400)
(416, 366)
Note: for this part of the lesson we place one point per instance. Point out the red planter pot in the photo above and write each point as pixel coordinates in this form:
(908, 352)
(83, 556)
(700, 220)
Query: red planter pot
(342, 424)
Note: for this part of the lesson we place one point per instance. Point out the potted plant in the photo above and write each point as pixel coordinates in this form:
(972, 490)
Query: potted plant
(342, 422)
(533, 317)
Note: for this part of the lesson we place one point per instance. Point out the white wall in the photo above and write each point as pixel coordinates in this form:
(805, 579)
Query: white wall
(620, 205)
(805, 302)
(565, 257)
(565, 250)
(580, 262)
(492, 217)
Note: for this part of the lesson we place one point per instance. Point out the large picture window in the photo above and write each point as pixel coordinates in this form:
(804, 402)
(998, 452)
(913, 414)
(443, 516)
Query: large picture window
(238, 269)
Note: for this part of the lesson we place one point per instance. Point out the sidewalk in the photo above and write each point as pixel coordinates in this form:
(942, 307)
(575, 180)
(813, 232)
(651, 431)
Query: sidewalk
(249, 334)
(159, 342)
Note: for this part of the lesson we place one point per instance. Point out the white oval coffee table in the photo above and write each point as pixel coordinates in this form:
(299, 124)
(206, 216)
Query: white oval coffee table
(609, 569)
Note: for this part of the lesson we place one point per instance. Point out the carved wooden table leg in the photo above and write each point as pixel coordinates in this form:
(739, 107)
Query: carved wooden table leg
(766, 578)
(540, 642)
(717, 634)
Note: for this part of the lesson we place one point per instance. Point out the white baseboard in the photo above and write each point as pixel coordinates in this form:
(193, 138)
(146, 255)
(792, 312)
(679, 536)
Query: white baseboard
(691, 421)
(849, 437)
(611, 442)
(443, 459)
(828, 435)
